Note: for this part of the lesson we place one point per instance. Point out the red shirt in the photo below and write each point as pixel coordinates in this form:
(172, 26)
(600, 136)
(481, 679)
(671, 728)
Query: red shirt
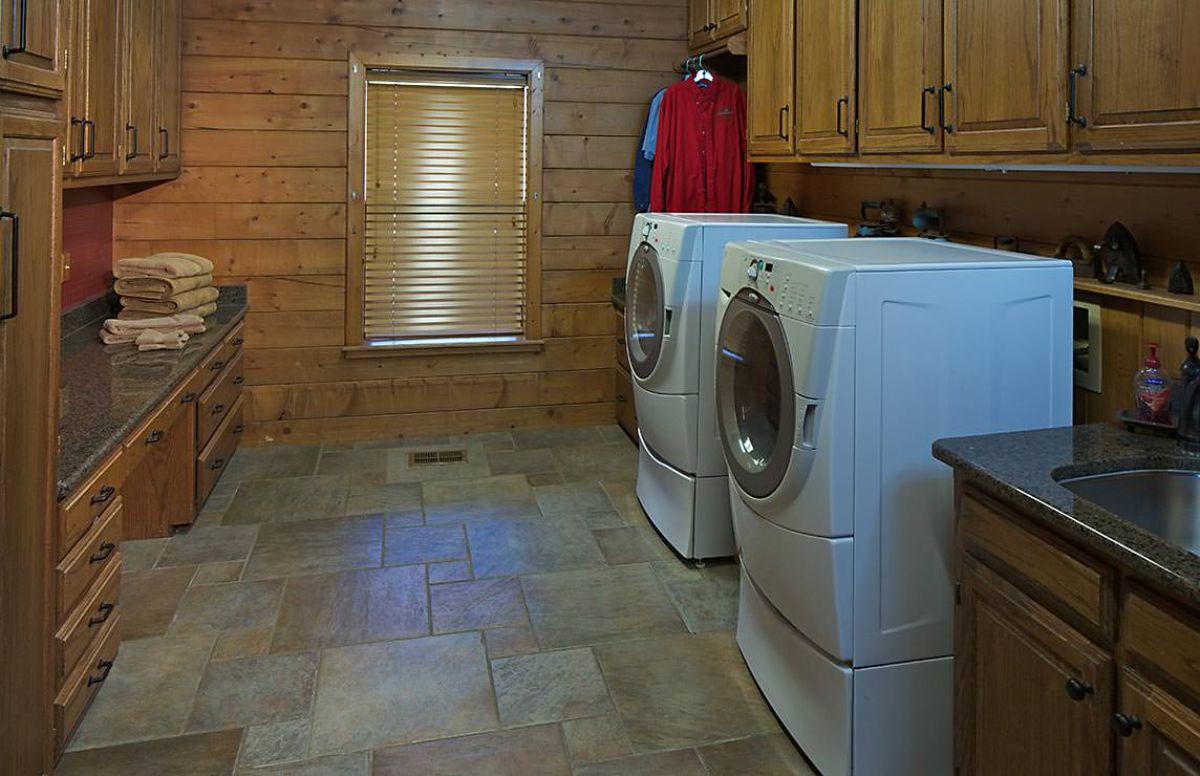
(700, 160)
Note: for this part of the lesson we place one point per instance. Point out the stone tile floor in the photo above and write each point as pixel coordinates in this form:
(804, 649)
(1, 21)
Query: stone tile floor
(341, 611)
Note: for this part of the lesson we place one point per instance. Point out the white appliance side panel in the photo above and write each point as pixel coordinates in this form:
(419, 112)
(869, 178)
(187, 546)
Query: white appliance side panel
(713, 523)
(668, 423)
(808, 579)
(678, 366)
(811, 694)
(904, 719)
(939, 354)
(668, 496)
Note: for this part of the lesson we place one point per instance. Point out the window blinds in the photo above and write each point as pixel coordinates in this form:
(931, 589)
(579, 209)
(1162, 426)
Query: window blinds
(446, 233)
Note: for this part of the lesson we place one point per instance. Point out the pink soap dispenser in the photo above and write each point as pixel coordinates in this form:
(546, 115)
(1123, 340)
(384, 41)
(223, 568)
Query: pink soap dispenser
(1152, 390)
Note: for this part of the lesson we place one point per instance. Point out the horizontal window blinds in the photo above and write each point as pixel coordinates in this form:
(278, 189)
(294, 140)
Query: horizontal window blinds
(446, 233)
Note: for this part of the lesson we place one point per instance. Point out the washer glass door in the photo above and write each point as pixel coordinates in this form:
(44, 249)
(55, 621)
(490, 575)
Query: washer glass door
(644, 312)
(756, 406)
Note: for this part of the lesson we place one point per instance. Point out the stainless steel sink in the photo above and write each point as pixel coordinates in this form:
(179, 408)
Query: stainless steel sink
(1165, 502)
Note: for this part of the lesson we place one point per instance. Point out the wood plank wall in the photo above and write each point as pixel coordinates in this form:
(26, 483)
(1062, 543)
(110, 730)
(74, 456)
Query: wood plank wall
(263, 188)
(1162, 211)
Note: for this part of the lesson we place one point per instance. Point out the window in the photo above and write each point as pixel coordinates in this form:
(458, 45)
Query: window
(444, 208)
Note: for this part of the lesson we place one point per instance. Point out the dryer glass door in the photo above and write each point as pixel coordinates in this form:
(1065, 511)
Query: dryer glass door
(756, 408)
(644, 311)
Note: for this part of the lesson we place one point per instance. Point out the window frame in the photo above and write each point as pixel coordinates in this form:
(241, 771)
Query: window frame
(358, 67)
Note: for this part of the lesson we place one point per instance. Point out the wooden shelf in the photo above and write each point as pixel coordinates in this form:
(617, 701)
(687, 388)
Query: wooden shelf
(1126, 291)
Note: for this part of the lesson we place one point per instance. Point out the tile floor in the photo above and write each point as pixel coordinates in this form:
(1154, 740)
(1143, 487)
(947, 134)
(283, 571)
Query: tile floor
(340, 611)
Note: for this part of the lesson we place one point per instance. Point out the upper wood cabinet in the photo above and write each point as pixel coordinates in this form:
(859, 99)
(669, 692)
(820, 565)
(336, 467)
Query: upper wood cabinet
(1005, 75)
(168, 85)
(137, 125)
(900, 82)
(770, 78)
(32, 54)
(92, 137)
(1136, 68)
(826, 104)
(711, 21)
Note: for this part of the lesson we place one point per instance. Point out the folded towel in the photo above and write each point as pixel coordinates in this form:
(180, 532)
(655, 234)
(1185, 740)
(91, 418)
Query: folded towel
(201, 311)
(164, 265)
(191, 324)
(125, 338)
(159, 289)
(161, 340)
(175, 304)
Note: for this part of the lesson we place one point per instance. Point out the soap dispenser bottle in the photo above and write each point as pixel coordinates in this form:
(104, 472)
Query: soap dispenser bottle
(1152, 392)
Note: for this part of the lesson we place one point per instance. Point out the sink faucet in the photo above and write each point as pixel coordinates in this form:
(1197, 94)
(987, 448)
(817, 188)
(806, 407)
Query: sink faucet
(1188, 430)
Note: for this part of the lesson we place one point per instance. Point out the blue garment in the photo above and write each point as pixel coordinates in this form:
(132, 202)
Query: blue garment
(643, 163)
(650, 137)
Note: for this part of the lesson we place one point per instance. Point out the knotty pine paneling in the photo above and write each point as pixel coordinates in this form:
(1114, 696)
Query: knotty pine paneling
(263, 188)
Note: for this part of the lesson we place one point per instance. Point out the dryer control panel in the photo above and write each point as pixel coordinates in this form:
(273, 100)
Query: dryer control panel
(781, 285)
(797, 289)
(666, 237)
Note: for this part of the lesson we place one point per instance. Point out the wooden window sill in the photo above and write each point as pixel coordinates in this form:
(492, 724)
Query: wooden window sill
(400, 351)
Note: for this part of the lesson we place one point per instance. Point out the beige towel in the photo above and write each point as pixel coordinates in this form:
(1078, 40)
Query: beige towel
(159, 289)
(203, 311)
(164, 265)
(176, 304)
(191, 324)
(161, 340)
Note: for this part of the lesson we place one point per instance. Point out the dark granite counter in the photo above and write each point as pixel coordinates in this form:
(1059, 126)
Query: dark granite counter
(1022, 469)
(108, 390)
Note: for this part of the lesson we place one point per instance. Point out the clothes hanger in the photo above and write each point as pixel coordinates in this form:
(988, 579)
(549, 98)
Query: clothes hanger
(702, 77)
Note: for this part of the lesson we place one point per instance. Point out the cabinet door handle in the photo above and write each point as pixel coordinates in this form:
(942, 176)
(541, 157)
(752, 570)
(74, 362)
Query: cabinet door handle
(947, 128)
(239, 428)
(103, 495)
(105, 667)
(783, 113)
(217, 366)
(217, 465)
(1078, 690)
(1126, 724)
(104, 611)
(1073, 77)
(155, 437)
(82, 137)
(103, 552)
(188, 398)
(22, 33)
(841, 129)
(165, 134)
(239, 380)
(90, 129)
(237, 343)
(218, 409)
(14, 264)
(133, 154)
(926, 93)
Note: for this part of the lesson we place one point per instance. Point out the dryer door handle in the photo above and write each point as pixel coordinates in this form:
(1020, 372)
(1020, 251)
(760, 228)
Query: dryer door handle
(668, 317)
(807, 426)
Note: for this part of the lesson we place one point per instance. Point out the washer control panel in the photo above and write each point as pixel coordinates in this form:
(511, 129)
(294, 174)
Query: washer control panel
(784, 286)
(664, 236)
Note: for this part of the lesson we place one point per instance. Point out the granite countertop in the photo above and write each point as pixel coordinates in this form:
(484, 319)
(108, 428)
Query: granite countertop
(107, 390)
(1020, 468)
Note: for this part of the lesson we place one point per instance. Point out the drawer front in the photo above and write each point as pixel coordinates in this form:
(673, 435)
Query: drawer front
(83, 508)
(1079, 585)
(213, 459)
(219, 399)
(155, 430)
(1164, 635)
(85, 624)
(83, 684)
(88, 560)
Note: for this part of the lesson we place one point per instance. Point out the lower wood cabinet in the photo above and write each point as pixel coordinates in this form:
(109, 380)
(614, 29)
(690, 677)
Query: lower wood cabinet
(85, 681)
(159, 491)
(1159, 734)
(215, 456)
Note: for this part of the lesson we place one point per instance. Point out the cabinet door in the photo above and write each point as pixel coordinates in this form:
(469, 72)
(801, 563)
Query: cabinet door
(137, 94)
(167, 100)
(1160, 736)
(93, 139)
(729, 16)
(900, 73)
(160, 489)
(700, 24)
(770, 74)
(32, 57)
(1032, 696)
(825, 76)
(1141, 90)
(29, 250)
(1006, 64)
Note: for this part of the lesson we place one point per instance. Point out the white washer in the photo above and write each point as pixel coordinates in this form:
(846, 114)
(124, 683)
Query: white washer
(672, 282)
(839, 362)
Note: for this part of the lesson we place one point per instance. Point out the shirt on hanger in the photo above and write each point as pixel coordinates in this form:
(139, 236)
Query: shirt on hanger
(700, 161)
(650, 136)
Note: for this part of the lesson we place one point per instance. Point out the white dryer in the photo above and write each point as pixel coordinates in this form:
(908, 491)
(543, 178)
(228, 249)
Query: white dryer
(672, 282)
(838, 364)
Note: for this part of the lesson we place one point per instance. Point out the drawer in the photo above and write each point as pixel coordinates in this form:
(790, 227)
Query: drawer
(85, 624)
(83, 684)
(212, 460)
(83, 508)
(215, 363)
(90, 557)
(1077, 583)
(218, 400)
(1163, 634)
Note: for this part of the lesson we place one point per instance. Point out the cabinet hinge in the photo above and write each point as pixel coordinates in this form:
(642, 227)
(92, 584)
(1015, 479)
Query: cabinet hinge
(957, 593)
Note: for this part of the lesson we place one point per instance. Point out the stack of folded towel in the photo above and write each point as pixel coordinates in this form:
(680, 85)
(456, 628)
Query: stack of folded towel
(166, 333)
(165, 284)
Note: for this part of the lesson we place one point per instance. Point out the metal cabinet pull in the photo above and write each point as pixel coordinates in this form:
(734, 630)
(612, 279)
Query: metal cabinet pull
(89, 127)
(134, 154)
(1078, 691)
(217, 465)
(22, 34)
(218, 409)
(1126, 725)
(165, 134)
(103, 552)
(237, 343)
(188, 398)
(239, 428)
(103, 495)
(1073, 95)
(82, 153)
(947, 128)
(105, 611)
(14, 266)
(239, 380)
(105, 667)
(783, 112)
(926, 93)
(217, 366)
(155, 437)
(841, 129)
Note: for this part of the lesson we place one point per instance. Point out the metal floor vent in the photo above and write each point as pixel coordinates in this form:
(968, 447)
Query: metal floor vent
(435, 457)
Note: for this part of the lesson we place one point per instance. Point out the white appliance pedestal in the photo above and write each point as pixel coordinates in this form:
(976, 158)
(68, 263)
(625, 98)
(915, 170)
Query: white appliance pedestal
(691, 513)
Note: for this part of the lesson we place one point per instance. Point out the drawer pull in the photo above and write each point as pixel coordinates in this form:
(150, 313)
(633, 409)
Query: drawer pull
(239, 380)
(1078, 691)
(155, 437)
(105, 611)
(237, 343)
(104, 494)
(217, 366)
(218, 409)
(1126, 724)
(103, 552)
(239, 428)
(105, 668)
(188, 398)
(217, 465)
